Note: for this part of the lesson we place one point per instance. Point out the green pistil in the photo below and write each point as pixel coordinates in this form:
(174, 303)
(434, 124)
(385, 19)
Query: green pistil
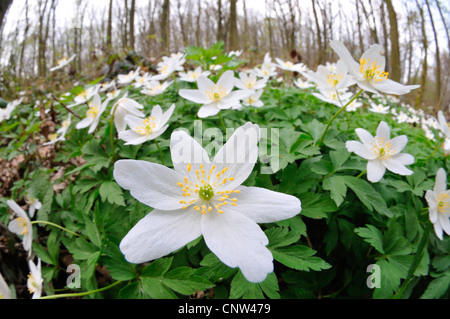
(206, 192)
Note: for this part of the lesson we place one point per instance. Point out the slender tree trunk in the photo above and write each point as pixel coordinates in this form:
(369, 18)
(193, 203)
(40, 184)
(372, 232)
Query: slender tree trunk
(219, 36)
(423, 79)
(385, 35)
(395, 47)
(109, 28)
(233, 32)
(165, 27)
(198, 28)
(131, 28)
(319, 37)
(438, 61)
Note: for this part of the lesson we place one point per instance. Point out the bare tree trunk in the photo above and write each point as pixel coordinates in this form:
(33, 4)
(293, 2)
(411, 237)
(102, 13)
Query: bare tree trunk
(233, 32)
(438, 61)
(197, 31)
(25, 36)
(132, 13)
(358, 17)
(319, 38)
(423, 78)
(395, 47)
(109, 28)
(165, 27)
(385, 35)
(445, 24)
(219, 36)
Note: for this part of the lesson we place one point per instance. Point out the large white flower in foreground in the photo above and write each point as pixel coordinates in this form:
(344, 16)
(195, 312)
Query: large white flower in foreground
(203, 197)
(382, 152)
(62, 63)
(93, 114)
(21, 225)
(35, 280)
(146, 129)
(215, 97)
(439, 204)
(369, 72)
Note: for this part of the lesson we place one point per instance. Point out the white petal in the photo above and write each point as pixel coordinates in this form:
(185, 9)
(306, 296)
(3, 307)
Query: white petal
(84, 123)
(373, 54)
(238, 242)
(166, 115)
(159, 233)
(440, 185)
(227, 80)
(265, 206)
(360, 150)
(438, 230)
(396, 166)
(157, 111)
(186, 150)
(238, 156)
(392, 87)
(375, 170)
(17, 209)
(404, 158)
(346, 57)
(383, 130)
(445, 222)
(195, 96)
(365, 137)
(399, 142)
(204, 83)
(152, 184)
(208, 110)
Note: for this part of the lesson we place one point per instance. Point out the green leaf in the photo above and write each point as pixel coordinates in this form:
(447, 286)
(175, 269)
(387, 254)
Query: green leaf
(241, 288)
(299, 257)
(316, 206)
(280, 237)
(213, 269)
(367, 195)
(184, 282)
(156, 289)
(157, 268)
(112, 192)
(437, 288)
(372, 235)
(336, 186)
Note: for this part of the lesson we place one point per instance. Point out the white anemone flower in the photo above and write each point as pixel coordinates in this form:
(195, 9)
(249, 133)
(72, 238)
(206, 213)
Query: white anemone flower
(54, 138)
(5, 291)
(85, 95)
(254, 100)
(369, 72)
(192, 76)
(379, 108)
(21, 225)
(339, 79)
(123, 107)
(439, 204)
(235, 53)
(382, 152)
(142, 80)
(35, 280)
(168, 66)
(34, 205)
(203, 197)
(107, 85)
(5, 114)
(215, 97)
(303, 84)
(146, 129)
(334, 97)
(249, 80)
(125, 79)
(154, 88)
(93, 114)
(113, 94)
(62, 63)
(290, 66)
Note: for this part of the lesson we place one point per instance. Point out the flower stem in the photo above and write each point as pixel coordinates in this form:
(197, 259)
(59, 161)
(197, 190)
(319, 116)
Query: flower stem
(361, 174)
(55, 225)
(160, 152)
(221, 122)
(438, 146)
(81, 294)
(335, 115)
(417, 259)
